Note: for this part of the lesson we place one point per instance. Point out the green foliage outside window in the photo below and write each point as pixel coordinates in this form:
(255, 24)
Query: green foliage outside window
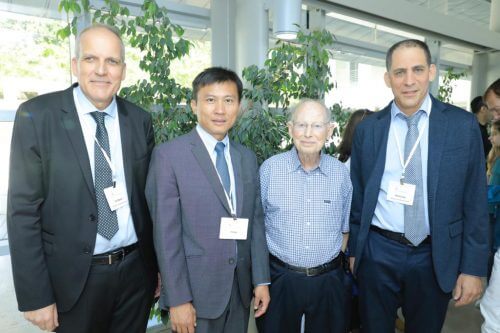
(446, 88)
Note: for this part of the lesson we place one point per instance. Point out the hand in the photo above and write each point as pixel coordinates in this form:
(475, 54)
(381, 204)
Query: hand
(261, 300)
(467, 290)
(351, 264)
(183, 318)
(45, 318)
(158, 287)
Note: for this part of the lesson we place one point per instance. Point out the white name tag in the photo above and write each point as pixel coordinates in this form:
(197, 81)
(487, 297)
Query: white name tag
(401, 193)
(233, 228)
(116, 197)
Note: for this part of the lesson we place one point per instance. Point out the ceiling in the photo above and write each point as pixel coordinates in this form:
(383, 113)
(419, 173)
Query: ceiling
(359, 38)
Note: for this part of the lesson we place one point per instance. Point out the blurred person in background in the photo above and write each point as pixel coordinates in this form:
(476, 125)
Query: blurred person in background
(490, 303)
(483, 116)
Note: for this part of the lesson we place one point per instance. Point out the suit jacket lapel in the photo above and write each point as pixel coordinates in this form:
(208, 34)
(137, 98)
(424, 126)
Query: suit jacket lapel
(126, 141)
(438, 125)
(380, 138)
(71, 123)
(201, 154)
(238, 178)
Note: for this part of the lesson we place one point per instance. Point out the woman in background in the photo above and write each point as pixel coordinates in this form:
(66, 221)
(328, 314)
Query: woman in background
(344, 149)
(493, 173)
(344, 155)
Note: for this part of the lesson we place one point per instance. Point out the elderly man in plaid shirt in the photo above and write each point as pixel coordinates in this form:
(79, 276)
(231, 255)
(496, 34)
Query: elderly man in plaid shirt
(306, 196)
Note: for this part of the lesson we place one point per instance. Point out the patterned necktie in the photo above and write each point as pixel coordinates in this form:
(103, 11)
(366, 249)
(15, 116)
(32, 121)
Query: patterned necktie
(107, 225)
(221, 165)
(414, 215)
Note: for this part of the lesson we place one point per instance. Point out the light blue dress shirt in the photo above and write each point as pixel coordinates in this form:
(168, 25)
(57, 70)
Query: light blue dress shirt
(126, 233)
(305, 212)
(389, 215)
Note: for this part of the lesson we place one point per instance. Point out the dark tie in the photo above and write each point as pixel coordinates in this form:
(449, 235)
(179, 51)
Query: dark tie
(414, 214)
(221, 165)
(107, 225)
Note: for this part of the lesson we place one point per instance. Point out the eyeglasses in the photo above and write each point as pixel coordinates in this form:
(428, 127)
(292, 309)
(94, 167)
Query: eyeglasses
(315, 127)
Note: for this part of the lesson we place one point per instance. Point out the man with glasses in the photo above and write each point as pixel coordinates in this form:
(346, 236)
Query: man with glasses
(490, 303)
(306, 196)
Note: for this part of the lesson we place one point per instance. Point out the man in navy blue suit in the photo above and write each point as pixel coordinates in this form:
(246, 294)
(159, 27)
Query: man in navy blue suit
(419, 219)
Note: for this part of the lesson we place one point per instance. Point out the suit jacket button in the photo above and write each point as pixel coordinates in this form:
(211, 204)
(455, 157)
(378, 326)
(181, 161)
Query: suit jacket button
(92, 218)
(231, 261)
(86, 249)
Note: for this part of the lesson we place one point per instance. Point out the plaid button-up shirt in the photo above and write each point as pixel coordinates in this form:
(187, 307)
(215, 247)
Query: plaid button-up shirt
(306, 212)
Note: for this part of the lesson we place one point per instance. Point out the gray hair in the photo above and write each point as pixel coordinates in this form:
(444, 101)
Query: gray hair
(110, 28)
(303, 102)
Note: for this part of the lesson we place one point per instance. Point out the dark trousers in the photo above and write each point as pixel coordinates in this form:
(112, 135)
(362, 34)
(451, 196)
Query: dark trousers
(234, 319)
(320, 298)
(117, 298)
(393, 275)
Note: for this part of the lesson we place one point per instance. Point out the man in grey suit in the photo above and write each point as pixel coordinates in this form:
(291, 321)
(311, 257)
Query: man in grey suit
(204, 198)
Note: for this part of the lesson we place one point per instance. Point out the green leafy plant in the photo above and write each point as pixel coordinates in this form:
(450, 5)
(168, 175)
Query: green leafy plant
(340, 117)
(447, 86)
(294, 70)
(160, 42)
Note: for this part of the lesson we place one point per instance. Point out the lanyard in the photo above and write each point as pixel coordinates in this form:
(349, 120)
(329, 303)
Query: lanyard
(108, 160)
(231, 204)
(404, 164)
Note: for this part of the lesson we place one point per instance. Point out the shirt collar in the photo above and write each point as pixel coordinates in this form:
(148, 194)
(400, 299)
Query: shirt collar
(425, 107)
(208, 140)
(294, 162)
(85, 106)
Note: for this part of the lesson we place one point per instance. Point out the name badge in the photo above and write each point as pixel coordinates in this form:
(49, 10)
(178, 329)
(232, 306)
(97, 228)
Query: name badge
(401, 193)
(116, 197)
(233, 228)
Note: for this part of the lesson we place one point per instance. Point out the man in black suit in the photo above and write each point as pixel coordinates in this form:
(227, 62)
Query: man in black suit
(80, 233)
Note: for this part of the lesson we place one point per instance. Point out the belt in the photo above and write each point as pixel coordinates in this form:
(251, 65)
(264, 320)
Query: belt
(398, 237)
(111, 257)
(312, 271)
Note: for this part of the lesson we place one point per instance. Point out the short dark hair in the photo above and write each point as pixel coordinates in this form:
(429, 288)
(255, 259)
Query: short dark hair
(216, 75)
(494, 87)
(407, 43)
(476, 104)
